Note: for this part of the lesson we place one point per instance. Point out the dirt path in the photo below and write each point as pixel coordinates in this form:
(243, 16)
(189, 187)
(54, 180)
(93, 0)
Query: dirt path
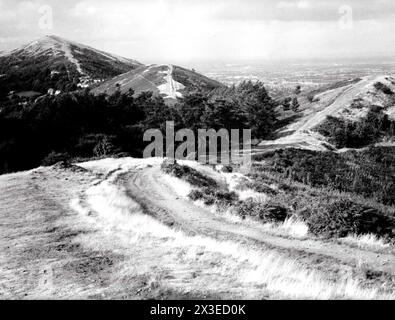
(299, 133)
(171, 88)
(148, 188)
(343, 100)
(53, 247)
(117, 231)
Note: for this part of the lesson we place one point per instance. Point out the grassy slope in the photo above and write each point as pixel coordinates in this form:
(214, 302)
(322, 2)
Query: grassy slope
(148, 78)
(78, 234)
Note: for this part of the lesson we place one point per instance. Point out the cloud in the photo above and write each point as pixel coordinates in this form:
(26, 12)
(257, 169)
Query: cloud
(175, 30)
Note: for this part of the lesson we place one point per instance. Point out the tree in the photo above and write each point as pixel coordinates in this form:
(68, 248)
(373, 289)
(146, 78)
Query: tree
(104, 147)
(256, 107)
(286, 104)
(192, 108)
(295, 104)
(298, 90)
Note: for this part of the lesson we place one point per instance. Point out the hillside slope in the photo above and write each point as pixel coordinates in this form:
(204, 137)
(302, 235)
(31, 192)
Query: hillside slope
(58, 62)
(166, 80)
(348, 101)
(118, 229)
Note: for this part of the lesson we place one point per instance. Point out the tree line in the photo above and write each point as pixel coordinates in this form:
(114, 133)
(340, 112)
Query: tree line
(82, 125)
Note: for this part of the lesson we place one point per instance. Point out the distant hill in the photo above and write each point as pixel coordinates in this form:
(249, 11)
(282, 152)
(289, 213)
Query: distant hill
(169, 81)
(54, 62)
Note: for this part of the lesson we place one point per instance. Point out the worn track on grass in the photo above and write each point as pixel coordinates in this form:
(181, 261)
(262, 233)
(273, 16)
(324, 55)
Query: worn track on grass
(149, 189)
(118, 230)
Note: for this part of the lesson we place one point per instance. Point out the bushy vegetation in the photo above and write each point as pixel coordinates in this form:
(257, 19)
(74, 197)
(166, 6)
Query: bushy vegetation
(27, 74)
(326, 201)
(54, 158)
(344, 217)
(247, 105)
(209, 191)
(188, 174)
(39, 73)
(86, 125)
(369, 173)
(335, 194)
(96, 66)
(214, 196)
(79, 124)
(383, 88)
(347, 134)
(267, 212)
(194, 81)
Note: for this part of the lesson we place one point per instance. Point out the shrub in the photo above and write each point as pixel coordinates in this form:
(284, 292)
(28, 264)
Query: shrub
(104, 147)
(212, 196)
(54, 158)
(298, 90)
(97, 145)
(344, 217)
(188, 174)
(357, 104)
(383, 88)
(295, 105)
(266, 212)
(368, 173)
(227, 169)
(359, 134)
(260, 186)
(286, 103)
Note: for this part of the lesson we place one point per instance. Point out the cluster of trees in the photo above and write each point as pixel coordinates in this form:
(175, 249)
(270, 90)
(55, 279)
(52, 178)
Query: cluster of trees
(35, 75)
(371, 129)
(246, 106)
(292, 103)
(80, 124)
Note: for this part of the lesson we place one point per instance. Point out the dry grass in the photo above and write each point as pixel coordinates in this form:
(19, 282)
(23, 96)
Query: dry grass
(276, 274)
(366, 241)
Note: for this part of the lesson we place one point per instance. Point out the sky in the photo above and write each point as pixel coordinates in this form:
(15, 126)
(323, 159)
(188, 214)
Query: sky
(224, 30)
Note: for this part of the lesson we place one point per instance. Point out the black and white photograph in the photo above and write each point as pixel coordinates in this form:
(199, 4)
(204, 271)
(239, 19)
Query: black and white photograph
(197, 150)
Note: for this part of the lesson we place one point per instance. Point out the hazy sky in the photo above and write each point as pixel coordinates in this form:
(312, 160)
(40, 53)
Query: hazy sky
(182, 30)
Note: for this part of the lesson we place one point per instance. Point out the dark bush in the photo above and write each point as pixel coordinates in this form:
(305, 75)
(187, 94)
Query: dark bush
(344, 217)
(260, 186)
(265, 212)
(359, 134)
(54, 158)
(211, 196)
(188, 174)
(227, 169)
(369, 173)
(86, 125)
(382, 87)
